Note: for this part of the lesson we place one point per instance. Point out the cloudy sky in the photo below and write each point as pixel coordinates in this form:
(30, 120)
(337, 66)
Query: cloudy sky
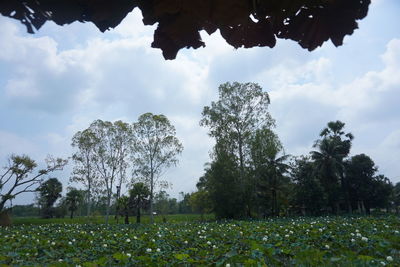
(56, 82)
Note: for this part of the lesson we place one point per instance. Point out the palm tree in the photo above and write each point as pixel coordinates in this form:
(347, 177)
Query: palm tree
(139, 198)
(73, 198)
(329, 166)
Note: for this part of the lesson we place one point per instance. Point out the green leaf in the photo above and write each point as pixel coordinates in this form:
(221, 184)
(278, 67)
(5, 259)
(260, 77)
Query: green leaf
(181, 256)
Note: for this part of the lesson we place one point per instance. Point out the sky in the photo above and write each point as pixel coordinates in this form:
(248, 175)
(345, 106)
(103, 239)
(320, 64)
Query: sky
(57, 81)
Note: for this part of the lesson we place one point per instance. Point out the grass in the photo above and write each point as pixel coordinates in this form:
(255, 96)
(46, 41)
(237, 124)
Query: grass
(145, 219)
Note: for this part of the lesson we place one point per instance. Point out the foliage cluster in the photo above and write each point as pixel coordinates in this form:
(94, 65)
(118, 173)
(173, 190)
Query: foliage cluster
(251, 176)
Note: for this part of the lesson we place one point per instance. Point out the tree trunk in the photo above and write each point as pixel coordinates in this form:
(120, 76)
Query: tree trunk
(138, 215)
(151, 196)
(108, 207)
(72, 214)
(126, 217)
(362, 207)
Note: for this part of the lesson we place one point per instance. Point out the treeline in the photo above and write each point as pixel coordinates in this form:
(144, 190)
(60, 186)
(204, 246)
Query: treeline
(74, 204)
(250, 175)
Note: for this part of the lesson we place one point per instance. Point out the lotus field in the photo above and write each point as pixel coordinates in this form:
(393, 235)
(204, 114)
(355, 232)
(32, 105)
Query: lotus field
(326, 241)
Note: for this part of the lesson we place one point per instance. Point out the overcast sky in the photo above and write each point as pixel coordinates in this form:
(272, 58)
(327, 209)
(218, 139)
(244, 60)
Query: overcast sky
(56, 82)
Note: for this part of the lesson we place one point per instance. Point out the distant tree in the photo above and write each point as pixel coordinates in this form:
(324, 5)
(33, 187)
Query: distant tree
(155, 148)
(49, 192)
(200, 202)
(29, 210)
(19, 176)
(222, 182)
(161, 203)
(309, 194)
(139, 198)
(360, 172)
(123, 207)
(396, 197)
(381, 193)
(184, 205)
(110, 154)
(73, 199)
(61, 209)
(84, 170)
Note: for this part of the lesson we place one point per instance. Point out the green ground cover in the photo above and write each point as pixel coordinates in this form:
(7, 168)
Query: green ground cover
(101, 219)
(327, 241)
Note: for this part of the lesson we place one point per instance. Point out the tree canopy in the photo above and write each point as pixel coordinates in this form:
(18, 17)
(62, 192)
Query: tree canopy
(242, 23)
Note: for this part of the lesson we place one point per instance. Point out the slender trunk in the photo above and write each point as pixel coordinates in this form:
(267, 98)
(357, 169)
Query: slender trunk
(151, 192)
(108, 206)
(362, 207)
(138, 215)
(88, 201)
(72, 214)
(126, 216)
(359, 206)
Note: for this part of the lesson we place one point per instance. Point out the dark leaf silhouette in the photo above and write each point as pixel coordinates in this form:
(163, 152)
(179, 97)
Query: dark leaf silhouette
(242, 23)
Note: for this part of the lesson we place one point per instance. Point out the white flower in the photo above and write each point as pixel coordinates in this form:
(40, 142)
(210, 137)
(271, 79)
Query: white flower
(158, 250)
(60, 260)
(153, 240)
(69, 243)
(265, 238)
(105, 245)
(227, 265)
(208, 243)
(286, 236)
(148, 250)
(128, 240)
(327, 246)
(352, 240)
(129, 255)
(389, 258)
(185, 242)
(214, 246)
(396, 232)
(358, 234)
(364, 239)
(53, 243)
(382, 263)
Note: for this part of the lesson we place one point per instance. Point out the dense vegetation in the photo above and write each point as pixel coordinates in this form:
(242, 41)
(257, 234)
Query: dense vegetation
(250, 175)
(324, 241)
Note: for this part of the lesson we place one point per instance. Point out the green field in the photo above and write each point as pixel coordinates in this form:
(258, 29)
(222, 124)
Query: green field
(327, 241)
(101, 219)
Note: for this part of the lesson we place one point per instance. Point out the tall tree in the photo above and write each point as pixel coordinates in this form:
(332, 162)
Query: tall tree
(19, 176)
(241, 109)
(268, 169)
(73, 199)
(84, 170)
(155, 148)
(49, 192)
(109, 154)
(334, 145)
